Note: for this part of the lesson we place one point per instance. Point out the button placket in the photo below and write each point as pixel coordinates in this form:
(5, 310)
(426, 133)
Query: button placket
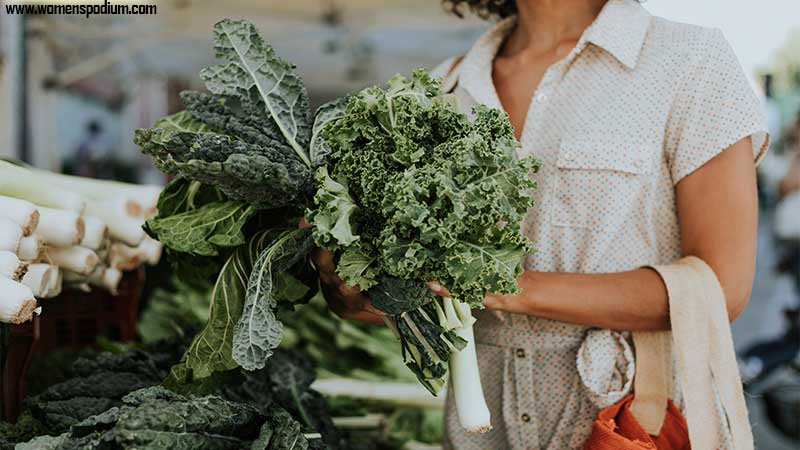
(523, 376)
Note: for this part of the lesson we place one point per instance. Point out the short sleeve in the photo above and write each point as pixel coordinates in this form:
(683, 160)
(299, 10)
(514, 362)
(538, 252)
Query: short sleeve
(715, 106)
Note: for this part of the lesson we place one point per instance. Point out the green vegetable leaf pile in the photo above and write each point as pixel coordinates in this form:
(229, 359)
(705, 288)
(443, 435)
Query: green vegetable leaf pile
(400, 185)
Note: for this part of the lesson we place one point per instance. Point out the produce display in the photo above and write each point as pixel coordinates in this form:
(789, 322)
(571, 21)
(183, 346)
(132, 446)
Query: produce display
(59, 229)
(111, 401)
(394, 180)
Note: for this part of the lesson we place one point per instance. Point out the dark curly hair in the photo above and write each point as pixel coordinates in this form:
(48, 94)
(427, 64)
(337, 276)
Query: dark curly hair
(483, 8)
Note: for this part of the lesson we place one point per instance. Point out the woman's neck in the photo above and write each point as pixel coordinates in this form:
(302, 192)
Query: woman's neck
(543, 26)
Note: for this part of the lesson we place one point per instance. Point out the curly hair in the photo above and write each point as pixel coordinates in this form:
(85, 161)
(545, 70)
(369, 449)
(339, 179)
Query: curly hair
(483, 8)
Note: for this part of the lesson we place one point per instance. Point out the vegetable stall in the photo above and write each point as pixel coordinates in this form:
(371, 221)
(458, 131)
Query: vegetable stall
(394, 180)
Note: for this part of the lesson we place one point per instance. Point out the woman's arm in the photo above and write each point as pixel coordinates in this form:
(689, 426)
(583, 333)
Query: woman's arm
(717, 210)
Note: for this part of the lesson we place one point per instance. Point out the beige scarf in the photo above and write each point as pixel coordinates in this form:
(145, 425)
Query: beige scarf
(704, 355)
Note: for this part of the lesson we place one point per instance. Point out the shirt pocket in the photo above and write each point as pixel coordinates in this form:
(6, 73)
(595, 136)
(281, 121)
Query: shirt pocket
(600, 183)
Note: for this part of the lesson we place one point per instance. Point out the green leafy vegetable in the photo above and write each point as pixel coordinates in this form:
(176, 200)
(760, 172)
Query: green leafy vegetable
(258, 331)
(204, 230)
(211, 349)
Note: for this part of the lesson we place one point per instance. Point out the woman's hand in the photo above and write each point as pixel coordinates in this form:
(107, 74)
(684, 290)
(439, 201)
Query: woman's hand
(497, 302)
(347, 302)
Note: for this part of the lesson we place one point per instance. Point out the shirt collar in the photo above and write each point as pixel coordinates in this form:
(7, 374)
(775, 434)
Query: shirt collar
(620, 29)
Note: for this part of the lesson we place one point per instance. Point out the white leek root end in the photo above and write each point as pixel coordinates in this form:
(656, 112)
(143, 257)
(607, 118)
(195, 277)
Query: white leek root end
(95, 233)
(40, 278)
(60, 227)
(17, 302)
(11, 266)
(77, 259)
(30, 248)
(117, 214)
(21, 212)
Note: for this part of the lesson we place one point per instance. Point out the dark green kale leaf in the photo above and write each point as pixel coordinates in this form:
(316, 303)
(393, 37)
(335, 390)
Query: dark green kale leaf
(211, 349)
(394, 295)
(203, 231)
(258, 331)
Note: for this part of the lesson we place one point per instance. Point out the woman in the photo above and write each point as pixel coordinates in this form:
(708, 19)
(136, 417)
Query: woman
(648, 132)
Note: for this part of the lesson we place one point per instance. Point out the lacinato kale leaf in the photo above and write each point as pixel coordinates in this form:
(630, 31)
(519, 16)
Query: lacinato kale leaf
(211, 349)
(250, 136)
(253, 72)
(258, 331)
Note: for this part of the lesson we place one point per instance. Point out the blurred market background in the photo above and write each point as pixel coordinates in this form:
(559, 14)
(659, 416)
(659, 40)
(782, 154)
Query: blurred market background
(73, 89)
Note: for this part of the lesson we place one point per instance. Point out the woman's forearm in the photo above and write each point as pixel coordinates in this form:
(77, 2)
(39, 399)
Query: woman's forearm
(634, 300)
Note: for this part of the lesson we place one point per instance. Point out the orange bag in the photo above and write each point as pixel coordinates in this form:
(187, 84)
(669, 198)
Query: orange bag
(617, 429)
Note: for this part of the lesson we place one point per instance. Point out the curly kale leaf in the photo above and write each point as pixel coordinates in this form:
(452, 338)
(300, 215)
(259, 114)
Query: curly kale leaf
(258, 331)
(318, 148)
(414, 190)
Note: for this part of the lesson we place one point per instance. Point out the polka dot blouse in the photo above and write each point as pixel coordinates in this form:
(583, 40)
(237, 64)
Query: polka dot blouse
(639, 103)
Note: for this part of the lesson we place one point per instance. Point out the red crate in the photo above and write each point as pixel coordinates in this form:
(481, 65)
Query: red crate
(72, 320)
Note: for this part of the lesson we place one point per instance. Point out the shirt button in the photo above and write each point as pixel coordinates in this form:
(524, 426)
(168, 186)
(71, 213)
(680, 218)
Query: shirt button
(520, 353)
(541, 96)
(569, 156)
(525, 417)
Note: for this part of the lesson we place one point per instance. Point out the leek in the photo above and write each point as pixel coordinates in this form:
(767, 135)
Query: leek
(77, 259)
(20, 212)
(120, 218)
(10, 235)
(103, 277)
(60, 227)
(30, 248)
(17, 302)
(95, 233)
(21, 183)
(40, 278)
(144, 197)
(11, 266)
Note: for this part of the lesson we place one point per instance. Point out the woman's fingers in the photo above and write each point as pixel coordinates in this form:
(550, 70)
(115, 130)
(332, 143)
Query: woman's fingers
(323, 261)
(438, 289)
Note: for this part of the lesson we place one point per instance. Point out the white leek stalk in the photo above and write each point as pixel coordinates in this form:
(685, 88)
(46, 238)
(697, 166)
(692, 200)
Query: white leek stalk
(124, 257)
(103, 277)
(11, 266)
(77, 259)
(120, 218)
(17, 302)
(144, 196)
(30, 248)
(10, 235)
(41, 279)
(20, 212)
(465, 381)
(60, 227)
(55, 284)
(151, 250)
(19, 182)
(94, 234)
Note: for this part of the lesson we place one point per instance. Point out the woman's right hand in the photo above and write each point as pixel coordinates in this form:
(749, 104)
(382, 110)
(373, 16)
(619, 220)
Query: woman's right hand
(347, 302)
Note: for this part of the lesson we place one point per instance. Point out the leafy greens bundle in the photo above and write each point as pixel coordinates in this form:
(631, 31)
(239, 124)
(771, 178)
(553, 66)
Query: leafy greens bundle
(400, 185)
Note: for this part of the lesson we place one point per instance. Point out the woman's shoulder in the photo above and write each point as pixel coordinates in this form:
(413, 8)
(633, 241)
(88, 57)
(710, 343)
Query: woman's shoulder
(685, 43)
(446, 67)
